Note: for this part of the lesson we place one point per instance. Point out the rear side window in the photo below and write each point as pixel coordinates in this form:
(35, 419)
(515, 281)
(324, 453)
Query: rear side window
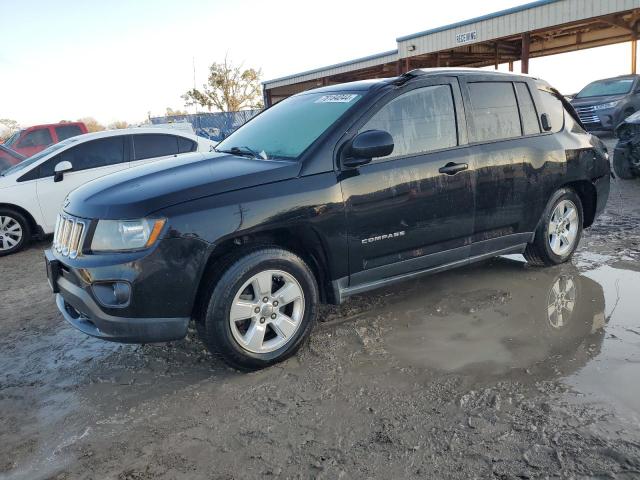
(419, 121)
(36, 138)
(94, 154)
(185, 145)
(67, 131)
(494, 111)
(154, 145)
(553, 108)
(530, 125)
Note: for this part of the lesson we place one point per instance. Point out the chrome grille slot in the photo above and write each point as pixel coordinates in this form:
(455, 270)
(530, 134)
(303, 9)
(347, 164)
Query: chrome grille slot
(68, 235)
(587, 114)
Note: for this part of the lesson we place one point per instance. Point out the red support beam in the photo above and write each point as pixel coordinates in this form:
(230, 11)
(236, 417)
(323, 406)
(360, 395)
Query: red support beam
(526, 43)
(634, 53)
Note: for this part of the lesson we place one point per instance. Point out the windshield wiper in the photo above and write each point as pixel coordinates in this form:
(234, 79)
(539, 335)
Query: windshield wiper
(244, 151)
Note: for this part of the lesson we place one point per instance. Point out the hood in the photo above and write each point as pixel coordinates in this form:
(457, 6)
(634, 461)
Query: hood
(588, 101)
(139, 191)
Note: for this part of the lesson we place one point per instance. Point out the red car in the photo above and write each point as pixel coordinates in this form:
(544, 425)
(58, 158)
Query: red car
(30, 141)
(9, 158)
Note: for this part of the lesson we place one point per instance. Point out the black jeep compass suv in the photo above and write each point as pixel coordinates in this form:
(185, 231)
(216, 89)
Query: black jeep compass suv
(329, 193)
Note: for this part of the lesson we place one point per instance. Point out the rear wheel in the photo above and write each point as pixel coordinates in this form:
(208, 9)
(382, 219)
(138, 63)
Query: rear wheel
(14, 232)
(260, 309)
(559, 230)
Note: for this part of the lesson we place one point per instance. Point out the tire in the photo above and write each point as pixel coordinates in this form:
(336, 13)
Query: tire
(621, 165)
(540, 252)
(255, 340)
(15, 232)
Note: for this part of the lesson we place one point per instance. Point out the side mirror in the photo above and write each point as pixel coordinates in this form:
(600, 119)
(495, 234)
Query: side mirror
(60, 168)
(366, 146)
(546, 123)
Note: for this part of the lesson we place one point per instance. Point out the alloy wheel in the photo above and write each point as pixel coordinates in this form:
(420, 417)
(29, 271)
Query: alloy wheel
(10, 233)
(563, 227)
(267, 311)
(561, 302)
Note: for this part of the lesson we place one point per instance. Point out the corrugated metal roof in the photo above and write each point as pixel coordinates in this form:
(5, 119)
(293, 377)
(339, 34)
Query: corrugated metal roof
(336, 65)
(489, 16)
(513, 21)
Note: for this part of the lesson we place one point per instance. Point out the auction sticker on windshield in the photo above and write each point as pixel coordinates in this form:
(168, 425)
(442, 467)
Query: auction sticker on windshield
(337, 98)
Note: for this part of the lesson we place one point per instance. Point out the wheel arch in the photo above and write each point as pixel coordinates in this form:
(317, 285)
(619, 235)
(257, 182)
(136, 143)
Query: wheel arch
(36, 230)
(588, 195)
(305, 242)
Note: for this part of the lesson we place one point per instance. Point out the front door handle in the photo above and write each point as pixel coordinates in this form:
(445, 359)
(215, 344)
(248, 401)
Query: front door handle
(452, 168)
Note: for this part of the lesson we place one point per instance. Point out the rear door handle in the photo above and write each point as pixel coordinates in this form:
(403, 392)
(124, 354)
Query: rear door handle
(452, 168)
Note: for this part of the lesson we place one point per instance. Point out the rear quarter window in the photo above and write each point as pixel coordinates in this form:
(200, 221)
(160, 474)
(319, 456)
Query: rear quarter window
(67, 131)
(185, 145)
(550, 105)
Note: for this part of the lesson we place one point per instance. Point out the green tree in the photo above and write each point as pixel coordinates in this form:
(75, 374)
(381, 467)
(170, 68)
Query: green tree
(229, 88)
(7, 128)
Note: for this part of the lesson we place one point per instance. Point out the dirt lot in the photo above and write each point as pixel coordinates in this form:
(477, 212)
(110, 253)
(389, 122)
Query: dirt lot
(474, 373)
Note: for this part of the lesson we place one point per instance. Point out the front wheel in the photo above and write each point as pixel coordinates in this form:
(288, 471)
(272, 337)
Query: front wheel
(559, 230)
(261, 309)
(14, 232)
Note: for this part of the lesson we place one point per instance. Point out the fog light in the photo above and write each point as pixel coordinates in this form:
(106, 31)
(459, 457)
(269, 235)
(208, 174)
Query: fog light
(112, 294)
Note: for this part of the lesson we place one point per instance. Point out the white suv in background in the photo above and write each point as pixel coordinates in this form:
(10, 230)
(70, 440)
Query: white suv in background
(32, 192)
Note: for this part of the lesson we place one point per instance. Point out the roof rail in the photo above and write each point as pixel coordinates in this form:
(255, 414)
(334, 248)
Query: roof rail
(405, 77)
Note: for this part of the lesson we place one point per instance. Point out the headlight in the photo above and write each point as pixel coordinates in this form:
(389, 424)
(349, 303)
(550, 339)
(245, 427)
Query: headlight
(605, 106)
(114, 235)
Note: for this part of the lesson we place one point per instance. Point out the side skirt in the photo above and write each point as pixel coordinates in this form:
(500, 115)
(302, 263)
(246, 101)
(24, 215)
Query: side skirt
(341, 291)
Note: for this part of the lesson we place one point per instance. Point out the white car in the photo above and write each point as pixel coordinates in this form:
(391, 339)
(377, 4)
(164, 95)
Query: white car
(32, 192)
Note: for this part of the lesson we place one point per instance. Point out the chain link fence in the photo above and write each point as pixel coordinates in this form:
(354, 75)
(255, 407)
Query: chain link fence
(215, 126)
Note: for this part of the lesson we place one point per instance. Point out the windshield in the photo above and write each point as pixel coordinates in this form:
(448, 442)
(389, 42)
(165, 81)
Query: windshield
(606, 87)
(289, 127)
(13, 138)
(33, 159)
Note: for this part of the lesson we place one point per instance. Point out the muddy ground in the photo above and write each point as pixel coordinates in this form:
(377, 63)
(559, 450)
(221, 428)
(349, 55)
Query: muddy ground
(466, 374)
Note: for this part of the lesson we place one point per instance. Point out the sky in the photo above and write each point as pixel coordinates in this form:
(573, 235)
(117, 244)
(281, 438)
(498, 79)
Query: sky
(122, 60)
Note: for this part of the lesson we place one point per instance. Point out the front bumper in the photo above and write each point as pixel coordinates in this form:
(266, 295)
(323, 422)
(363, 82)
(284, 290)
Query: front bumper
(79, 307)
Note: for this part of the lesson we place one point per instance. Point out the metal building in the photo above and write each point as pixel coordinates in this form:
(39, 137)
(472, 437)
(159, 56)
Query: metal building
(536, 29)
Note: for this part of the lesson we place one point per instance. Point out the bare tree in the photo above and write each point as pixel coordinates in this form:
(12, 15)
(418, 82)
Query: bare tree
(7, 128)
(229, 88)
(91, 124)
(118, 124)
(170, 112)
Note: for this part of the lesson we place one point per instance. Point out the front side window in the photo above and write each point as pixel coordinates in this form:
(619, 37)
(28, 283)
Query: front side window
(289, 127)
(494, 111)
(67, 131)
(94, 154)
(420, 121)
(154, 145)
(36, 138)
(619, 86)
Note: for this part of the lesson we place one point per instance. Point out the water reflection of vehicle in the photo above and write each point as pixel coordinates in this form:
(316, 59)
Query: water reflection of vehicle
(520, 318)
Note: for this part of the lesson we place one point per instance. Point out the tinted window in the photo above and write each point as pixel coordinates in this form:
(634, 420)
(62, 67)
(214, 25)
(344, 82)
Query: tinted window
(421, 120)
(528, 112)
(93, 154)
(154, 145)
(553, 108)
(36, 138)
(494, 111)
(186, 145)
(67, 131)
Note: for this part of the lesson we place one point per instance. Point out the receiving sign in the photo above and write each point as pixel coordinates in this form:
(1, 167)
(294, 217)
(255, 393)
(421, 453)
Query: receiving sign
(467, 37)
